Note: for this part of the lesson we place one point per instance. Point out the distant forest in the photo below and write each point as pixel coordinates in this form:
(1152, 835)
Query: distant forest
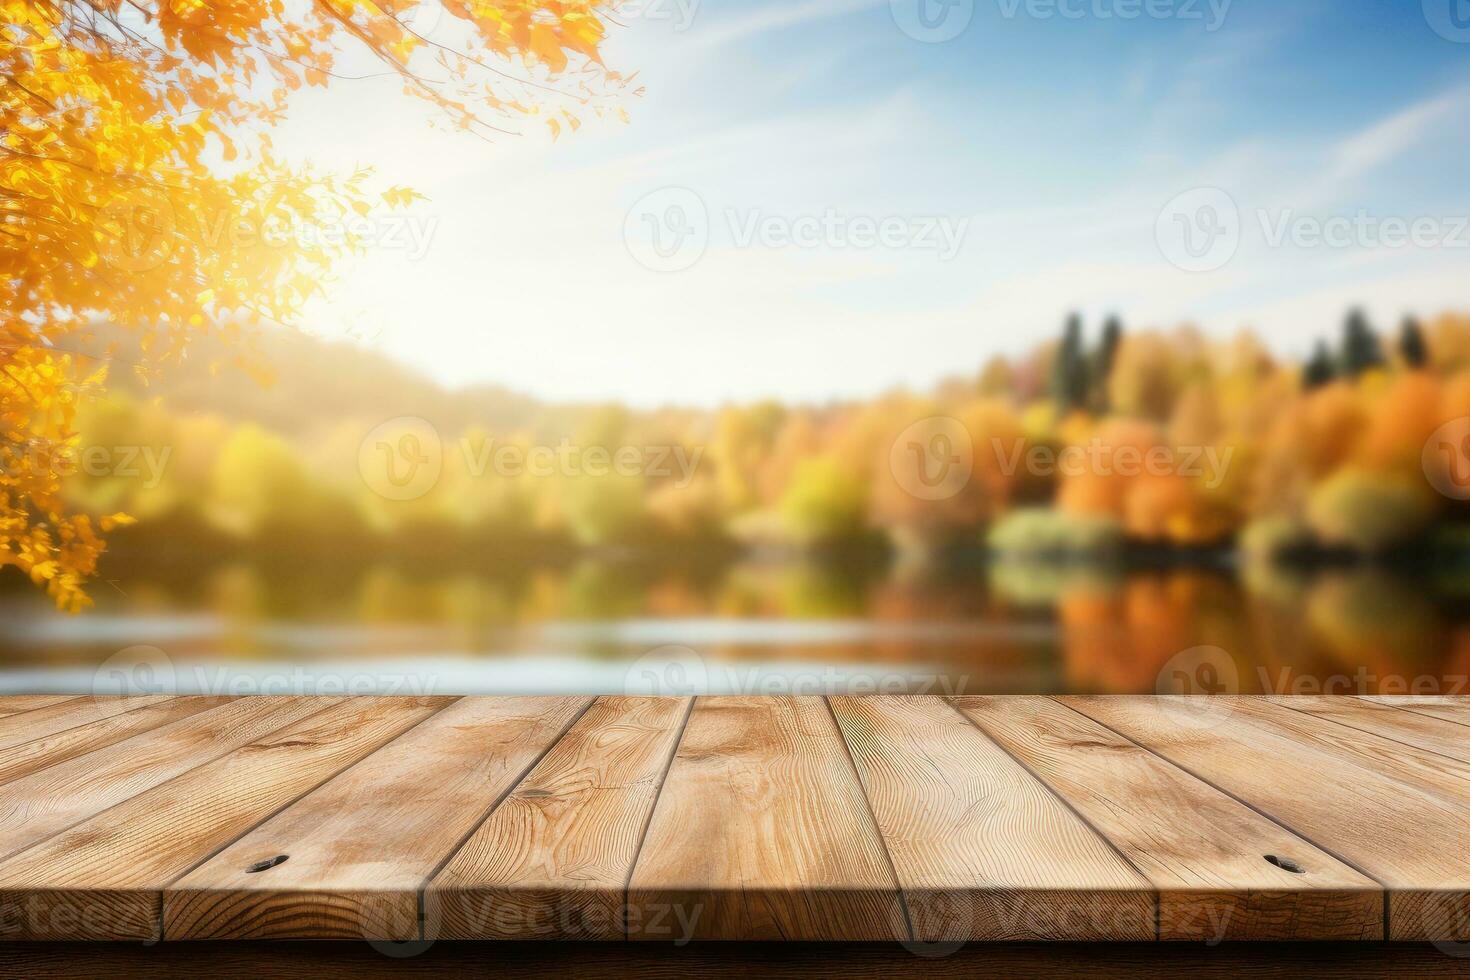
(261, 446)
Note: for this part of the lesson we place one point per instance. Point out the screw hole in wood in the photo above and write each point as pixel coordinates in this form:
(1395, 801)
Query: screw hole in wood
(1286, 864)
(267, 864)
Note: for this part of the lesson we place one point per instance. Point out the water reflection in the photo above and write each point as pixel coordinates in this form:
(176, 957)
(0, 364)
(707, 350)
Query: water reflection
(614, 626)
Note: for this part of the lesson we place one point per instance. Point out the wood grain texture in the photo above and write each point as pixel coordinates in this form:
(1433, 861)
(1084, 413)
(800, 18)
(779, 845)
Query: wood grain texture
(361, 846)
(1410, 728)
(762, 832)
(1398, 814)
(1431, 770)
(1451, 709)
(104, 877)
(27, 726)
(48, 801)
(22, 760)
(1203, 851)
(553, 860)
(928, 820)
(982, 849)
(14, 704)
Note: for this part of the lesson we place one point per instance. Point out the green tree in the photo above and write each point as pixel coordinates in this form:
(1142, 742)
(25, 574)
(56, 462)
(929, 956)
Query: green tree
(1102, 362)
(1319, 369)
(1069, 381)
(606, 510)
(825, 503)
(1367, 511)
(1412, 347)
(1360, 347)
(260, 483)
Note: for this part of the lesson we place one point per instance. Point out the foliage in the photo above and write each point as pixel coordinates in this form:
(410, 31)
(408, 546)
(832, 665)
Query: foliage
(1043, 532)
(825, 502)
(1368, 511)
(1069, 382)
(1246, 453)
(1412, 348)
(1319, 368)
(1102, 365)
(139, 188)
(1274, 536)
(1360, 347)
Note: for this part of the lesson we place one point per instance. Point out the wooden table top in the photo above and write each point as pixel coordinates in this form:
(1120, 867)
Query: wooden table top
(925, 820)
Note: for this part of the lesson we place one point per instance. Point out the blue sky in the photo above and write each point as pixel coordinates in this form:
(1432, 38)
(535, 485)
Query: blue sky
(1053, 142)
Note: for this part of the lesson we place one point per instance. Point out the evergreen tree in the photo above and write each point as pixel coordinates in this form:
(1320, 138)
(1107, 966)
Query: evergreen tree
(1069, 372)
(1102, 367)
(1318, 370)
(1411, 344)
(1360, 347)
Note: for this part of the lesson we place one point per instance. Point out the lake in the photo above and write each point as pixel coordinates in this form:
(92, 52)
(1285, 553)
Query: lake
(743, 627)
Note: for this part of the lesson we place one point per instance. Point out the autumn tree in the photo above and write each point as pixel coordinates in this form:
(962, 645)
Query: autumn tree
(743, 439)
(997, 378)
(133, 131)
(1145, 377)
(825, 504)
(1369, 512)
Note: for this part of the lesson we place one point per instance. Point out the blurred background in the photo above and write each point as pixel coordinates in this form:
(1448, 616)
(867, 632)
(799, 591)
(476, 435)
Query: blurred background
(1008, 351)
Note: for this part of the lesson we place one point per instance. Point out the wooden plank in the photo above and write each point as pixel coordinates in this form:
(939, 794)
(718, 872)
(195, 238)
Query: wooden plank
(22, 760)
(14, 704)
(104, 877)
(1451, 709)
(553, 860)
(1431, 770)
(982, 849)
(361, 846)
(1410, 728)
(1373, 803)
(28, 726)
(1202, 850)
(46, 802)
(762, 832)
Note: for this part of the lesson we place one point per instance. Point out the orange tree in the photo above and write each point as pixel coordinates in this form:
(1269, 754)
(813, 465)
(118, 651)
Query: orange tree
(133, 131)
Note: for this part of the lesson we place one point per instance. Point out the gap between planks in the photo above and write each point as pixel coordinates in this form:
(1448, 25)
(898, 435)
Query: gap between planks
(648, 822)
(510, 788)
(1158, 898)
(1306, 734)
(162, 935)
(903, 899)
(1239, 799)
(672, 755)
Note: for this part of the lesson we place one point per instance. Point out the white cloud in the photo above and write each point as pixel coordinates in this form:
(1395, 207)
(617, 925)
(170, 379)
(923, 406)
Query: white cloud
(529, 283)
(1387, 139)
(777, 16)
